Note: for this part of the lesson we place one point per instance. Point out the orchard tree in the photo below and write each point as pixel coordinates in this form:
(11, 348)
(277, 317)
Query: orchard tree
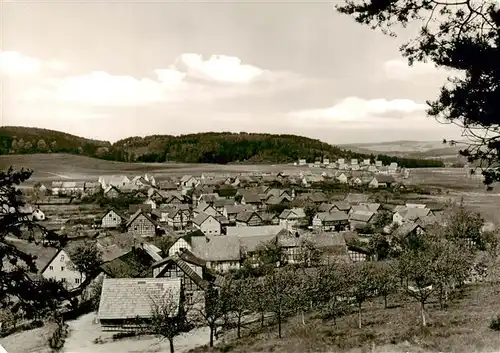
(86, 258)
(463, 36)
(362, 284)
(239, 296)
(17, 289)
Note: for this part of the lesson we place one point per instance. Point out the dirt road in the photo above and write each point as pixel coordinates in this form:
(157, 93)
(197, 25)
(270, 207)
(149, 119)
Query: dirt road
(84, 331)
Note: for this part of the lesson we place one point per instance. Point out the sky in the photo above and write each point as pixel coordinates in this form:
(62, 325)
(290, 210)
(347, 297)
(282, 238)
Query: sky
(114, 69)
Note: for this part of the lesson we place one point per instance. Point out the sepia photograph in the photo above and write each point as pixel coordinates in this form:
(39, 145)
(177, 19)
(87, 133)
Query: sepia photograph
(244, 176)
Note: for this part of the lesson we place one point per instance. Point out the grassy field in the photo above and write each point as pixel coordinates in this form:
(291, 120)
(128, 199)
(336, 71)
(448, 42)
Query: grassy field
(48, 167)
(462, 327)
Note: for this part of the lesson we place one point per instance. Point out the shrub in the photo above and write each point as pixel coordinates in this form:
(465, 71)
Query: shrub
(495, 323)
(120, 335)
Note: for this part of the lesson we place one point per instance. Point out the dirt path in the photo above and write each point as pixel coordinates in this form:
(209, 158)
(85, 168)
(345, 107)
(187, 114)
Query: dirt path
(84, 331)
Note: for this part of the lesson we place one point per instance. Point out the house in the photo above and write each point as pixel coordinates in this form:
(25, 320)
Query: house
(342, 206)
(331, 221)
(269, 218)
(251, 199)
(248, 219)
(189, 182)
(220, 253)
(356, 198)
(134, 263)
(207, 199)
(393, 168)
(360, 219)
(342, 178)
(326, 207)
(140, 223)
(407, 229)
(292, 218)
(150, 202)
(38, 215)
(409, 214)
(91, 187)
(140, 182)
(60, 268)
(314, 197)
(112, 219)
(190, 270)
(332, 247)
(167, 185)
(150, 179)
(302, 162)
(176, 217)
(358, 253)
(173, 197)
(208, 224)
(326, 161)
(183, 242)
(207, 209)
(125, 300)
(365, 206)
(113, 180)
(68, 187)
(220, 204)
(111, 192)
(381, 180)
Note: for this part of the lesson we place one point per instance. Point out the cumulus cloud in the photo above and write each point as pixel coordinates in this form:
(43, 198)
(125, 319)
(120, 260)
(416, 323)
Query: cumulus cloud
(15, 64)
(221, 68)
(400, 70)
(358, 110)
(190, 78)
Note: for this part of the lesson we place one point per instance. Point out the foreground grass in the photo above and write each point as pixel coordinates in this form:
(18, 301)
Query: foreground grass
(461, 327)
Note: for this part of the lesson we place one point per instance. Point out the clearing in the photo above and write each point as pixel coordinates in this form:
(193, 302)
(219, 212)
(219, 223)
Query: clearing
(462, 327)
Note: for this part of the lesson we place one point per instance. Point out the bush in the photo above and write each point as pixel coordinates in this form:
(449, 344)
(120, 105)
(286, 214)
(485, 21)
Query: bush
(495, 323)
(120, 335)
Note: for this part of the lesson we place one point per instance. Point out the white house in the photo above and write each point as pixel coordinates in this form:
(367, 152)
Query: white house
(342, 178)
(326, 161)
(178, 246)
(112, 219)
(150, 202)
(38, 215)
(113, 180)
(302, 162)
(189, 182)
(60, 268)
(207, 224)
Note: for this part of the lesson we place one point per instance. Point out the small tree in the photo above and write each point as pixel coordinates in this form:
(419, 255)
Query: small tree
(363, 284)
(331, 287)
(239, 293)
(217, 304)
(169, 318)
(281, 292)
(259, 303)
(386, 279)
(379, 246)
(86, 258)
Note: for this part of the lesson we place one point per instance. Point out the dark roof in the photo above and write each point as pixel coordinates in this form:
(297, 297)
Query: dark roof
(183, 265)
(145, 207)
(202, 217)
(246, 215)
(137, 214)
(135, 263)
(251, 197)
(382, 178)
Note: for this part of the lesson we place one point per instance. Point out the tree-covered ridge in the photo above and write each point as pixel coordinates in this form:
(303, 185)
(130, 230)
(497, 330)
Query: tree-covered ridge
(209, 147)
(17, 139)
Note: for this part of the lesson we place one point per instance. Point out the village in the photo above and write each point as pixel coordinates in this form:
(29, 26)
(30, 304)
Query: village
(152, 232)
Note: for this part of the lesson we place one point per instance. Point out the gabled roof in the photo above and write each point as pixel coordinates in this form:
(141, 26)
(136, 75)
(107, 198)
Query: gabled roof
(133, 264)
(146, 208)
(183, 265)
(405, 229)
(186, 178)
(294, 213)
(361, 216)
(356, 198)
(245, 216)
(325, 207)
(126, 298)
(332, 216)
(413, 213)
(235, 209)
(137, 214)
(117, 213)
(201, 218)
(342, 206)
(217, 248)
(251, 198)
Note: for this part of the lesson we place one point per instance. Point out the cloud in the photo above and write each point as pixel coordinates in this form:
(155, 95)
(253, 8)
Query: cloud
(400, 70)
(357, 110)
(221, 68)
(15, 64)
(189, 79)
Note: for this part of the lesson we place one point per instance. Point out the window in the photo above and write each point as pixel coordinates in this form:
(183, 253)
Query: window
(63, 280)
(62, 258)
(51, 268)
(77, 280)
(62, 268)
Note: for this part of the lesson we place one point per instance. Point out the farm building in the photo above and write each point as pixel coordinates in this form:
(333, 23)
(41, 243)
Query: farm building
(141, 224)
(112, 219)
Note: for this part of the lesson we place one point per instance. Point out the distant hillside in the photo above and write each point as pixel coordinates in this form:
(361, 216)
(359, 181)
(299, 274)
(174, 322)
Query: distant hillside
(210, 147)
(410, 149)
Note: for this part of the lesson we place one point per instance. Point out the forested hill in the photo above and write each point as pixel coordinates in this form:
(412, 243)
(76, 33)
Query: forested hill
(207, 147)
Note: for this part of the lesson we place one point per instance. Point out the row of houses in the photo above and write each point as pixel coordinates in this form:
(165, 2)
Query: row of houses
(353, 164)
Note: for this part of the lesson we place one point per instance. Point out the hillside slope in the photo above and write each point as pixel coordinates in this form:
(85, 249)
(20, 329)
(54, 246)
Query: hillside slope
(210, 147)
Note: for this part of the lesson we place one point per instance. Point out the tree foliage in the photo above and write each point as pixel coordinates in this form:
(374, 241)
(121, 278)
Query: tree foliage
(462, 36)
(18, 289)
(86, 258)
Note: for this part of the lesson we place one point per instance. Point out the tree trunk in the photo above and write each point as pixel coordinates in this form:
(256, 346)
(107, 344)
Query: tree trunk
(303, 319)
(279, 324)
(422, 310)
(359, 315)
(262, 319)
(239, 326)
(385, 301)
(211, 344)
(171, 341)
